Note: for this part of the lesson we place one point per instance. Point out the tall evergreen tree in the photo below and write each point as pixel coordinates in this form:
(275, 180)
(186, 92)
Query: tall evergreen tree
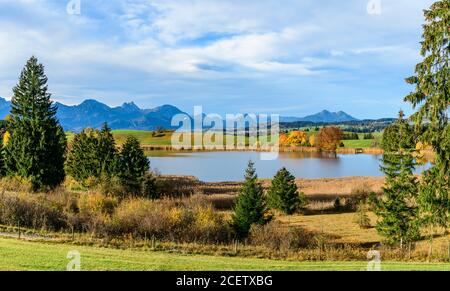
(92, 154)
(107, 150)
(37, 145)
(431, 99)
(2, 160)
(396, 207)
(251, 205)
(283, 193)
(132, 165)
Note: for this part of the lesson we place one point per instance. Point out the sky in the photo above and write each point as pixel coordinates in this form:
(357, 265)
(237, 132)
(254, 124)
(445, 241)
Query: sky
(287, 57)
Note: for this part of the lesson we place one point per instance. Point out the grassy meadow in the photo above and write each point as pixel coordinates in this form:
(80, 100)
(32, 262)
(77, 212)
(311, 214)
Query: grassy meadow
(148, 138)
(20, 255)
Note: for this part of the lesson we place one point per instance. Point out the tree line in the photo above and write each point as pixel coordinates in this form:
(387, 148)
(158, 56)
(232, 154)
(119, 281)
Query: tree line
(34, 146)
(409, 205)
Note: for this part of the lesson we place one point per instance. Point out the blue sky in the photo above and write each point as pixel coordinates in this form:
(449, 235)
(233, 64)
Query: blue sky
(290, 57)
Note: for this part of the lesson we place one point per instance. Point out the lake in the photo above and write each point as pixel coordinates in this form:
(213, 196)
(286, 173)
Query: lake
(230, 166)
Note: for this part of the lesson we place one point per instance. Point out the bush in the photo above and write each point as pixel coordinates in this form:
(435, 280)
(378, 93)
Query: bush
(32, 212)
(191, 220)
(150, 188)
(276, 236)
(176, 187)
(361, 217)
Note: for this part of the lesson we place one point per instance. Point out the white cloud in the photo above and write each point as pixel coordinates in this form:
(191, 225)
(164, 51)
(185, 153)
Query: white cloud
(180, 41)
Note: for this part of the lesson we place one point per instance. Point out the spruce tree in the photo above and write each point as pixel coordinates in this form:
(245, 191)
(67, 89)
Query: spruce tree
(37, 145)
(395, 208)
(2, 160)
(132, 165)
(92, 154)
(251, 205)
(431, 99)
(283, 193)
(107, 151)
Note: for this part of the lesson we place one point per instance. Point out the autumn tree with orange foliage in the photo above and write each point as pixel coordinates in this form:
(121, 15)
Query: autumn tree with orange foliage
(329, 138)
(297, 137)
(312, 140)
(283, 140)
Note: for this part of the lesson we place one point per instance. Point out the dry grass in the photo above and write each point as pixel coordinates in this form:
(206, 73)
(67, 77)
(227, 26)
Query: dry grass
(343, 187)
(340, 226)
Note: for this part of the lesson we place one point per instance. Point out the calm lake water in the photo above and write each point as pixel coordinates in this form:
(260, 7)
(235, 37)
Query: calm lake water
(230, 166)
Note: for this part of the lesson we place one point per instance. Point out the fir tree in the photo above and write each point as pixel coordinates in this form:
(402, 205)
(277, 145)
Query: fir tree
(132, 165)
(37, 145)
(107, 151)
(431, 98)
(283, 193)
(2, 161)
(398, 223)
(250, 205)
(92, 154)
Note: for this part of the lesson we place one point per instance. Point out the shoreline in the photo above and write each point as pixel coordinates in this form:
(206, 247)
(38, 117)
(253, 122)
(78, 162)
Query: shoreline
(168, 148)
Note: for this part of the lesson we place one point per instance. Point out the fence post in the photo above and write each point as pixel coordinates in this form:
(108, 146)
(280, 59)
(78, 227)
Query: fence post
(409, 251)
(448, 250)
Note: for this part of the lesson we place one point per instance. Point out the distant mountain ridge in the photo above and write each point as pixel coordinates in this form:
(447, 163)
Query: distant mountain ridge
(324, 116)
(92, 113)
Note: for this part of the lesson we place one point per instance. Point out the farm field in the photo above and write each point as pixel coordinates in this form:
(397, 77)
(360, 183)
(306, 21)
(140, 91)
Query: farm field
(28, 256)
(146, 138)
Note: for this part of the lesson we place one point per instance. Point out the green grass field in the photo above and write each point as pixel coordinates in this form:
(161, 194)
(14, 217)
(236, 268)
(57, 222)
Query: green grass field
(361, 143)
(23, 255)
(146, 138)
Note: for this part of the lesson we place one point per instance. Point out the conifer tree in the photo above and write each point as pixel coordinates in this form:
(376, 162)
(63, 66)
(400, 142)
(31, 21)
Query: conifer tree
(251, 205)
(132, 165)
(431, 99)
(395, 208)
(37, 145)
(2, 161)
(107, 151)
(92, 154)
(283, 193)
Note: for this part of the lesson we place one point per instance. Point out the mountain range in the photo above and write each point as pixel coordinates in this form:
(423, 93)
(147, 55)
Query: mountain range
(322, 117)
(91, 113)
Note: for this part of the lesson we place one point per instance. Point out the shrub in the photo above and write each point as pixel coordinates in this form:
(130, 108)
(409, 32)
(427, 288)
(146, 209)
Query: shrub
(337, 204)
(31, 212)
(176, 187)
(276, 236)
(96, 203)
(150, 188)
(190, 220)
(361, 217)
